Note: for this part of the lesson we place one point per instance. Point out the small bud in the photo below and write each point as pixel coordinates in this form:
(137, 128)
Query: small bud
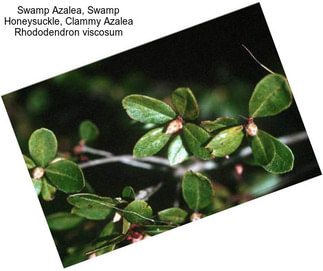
(38, 173)
(196, 216)
(238, 169)
(251, 129)
(174, 126)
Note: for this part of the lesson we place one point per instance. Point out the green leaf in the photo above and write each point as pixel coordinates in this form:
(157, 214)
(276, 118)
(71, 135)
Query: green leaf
(37, 185)
(174, 215)
(108, 244)
(271, 154)
(63, 221)
(283, 160)
(195, 138)
(197, 190)
(176, 151)
(138, 211)
(271, 96)
(226, 142)
(29, 163)
(42, 146)
(108, 232)
(155, 229)
(66, 176)
(92, 206)
(151, 143)
(263, 148)
(147, 110)
(88, 131)
(219, 123)
(47, 191)
(185, 103)
(128, 193)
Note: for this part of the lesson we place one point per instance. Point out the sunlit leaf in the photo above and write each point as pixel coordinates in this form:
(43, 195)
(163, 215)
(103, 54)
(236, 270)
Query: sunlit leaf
(176, 151)
(197, 190)
(219, 123)
(88, 131)
(185, 103)
(174, 215)
(262, 148)
(271, 96)
(66, 176)
(42, 146)
(138, 211)
(63, 221)
(47, 191)
(29, 163)
(38, 183)
(151, 143)
(148, 110)
(226, 142)
(195, 138)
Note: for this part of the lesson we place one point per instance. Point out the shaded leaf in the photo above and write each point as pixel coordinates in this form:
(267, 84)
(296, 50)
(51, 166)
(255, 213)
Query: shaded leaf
(66, 176)
(197, 190)
(37, 185)
(63, 221)
(195, 138)
(29, 163)
(108, 232)
(219, 123)
(47, 191)
(93, 213)
(174, 215)
(128, 193)
(138, 211)
(185, 103)
(42, 146)
(147, 110)
(151, 143)
(226, 142)
(176, 151)
(262, 148)
(88, 131)
(155, 229)
(108, 244)
(271, 96)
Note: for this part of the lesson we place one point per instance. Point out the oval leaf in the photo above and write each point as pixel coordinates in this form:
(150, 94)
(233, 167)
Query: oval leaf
(226, 142)
(174, 215)
(88, 131)
(138, 211)
(128, 193)
(271, 96)
(185, 103)
(195, 138)
(197, 190)
(63, 221)
(93, 213)
(42, 146)
(176, 151)
(66, 176)
(37, 185)
(147, 110)
(262, 148)
(47, 191)
(29, 163)
(219, 123)
(151, 143)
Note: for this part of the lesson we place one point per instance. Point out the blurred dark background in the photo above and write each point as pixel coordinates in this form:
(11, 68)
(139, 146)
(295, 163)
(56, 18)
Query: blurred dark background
(208, 58)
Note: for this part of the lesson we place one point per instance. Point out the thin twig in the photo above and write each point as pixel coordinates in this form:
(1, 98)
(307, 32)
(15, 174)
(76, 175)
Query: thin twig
(146, 193)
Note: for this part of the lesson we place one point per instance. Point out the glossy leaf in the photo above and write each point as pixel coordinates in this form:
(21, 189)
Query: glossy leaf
(47, 191)
(185, 103)
(42, 146)
(66, 176)
(88, 131)
(219, 123)
(176, 151)
(174, 215)
(138, 211)
(63, 221)
(262, 148)
(38, 183)
(147, 110)
(226, 142)
(197, 190)
(128, 193)
(195, 138)
(151, 143)
(29, 163)
(271, 96)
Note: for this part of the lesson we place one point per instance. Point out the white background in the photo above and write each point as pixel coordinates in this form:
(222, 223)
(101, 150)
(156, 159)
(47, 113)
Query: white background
(280, 231)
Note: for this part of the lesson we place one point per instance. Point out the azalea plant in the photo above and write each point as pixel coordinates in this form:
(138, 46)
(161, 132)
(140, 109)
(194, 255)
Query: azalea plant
(128, 217)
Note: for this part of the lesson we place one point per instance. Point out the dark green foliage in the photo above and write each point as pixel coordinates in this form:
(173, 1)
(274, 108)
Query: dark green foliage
(88, 131)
